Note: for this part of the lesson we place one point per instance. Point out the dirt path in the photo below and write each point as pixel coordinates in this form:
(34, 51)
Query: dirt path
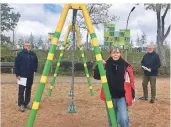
(90, 109)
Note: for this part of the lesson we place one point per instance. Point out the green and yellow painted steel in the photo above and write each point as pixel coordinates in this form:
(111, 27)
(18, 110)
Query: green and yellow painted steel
(50, 57)
(100, 65)
(46, 69)
(83, 58)
(59, 60)
(86, 72)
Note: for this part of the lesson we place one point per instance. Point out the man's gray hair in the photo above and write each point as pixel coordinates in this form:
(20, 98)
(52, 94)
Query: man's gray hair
(27, 43)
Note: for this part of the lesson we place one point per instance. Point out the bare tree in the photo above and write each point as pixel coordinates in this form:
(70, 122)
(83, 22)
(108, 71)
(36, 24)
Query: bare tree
(161, 33)
(40, 43)
(99, 14)
(138, 41)
(21, 42)
(143, 39)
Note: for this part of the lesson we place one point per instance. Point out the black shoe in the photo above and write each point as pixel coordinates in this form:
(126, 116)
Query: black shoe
(152, 101)
(143, 98)
(22, 109)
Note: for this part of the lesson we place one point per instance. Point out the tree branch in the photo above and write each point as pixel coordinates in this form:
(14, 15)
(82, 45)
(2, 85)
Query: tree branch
(90, 10)
(163, 17)
(162, 27)
(159, 29)
(167, 33)
(167, 8)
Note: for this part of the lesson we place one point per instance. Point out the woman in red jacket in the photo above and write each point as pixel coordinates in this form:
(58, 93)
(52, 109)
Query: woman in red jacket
(121, 84)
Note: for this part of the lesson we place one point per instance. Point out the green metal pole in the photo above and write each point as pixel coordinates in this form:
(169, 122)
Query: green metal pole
(46, 69)
(56, 71)
(86, 71)
(59, 60)
(100, 66)
(84, 60)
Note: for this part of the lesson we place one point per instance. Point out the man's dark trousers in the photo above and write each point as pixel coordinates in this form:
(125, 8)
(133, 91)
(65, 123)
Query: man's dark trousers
(152, 80)
(24, 93)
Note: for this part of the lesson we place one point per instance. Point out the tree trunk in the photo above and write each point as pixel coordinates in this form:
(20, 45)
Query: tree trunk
(163, 59)
(163, 55)
(158, 28)
(87, 40)
(160, 46)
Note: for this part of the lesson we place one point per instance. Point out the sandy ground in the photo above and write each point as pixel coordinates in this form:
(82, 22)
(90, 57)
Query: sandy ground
(90, 109)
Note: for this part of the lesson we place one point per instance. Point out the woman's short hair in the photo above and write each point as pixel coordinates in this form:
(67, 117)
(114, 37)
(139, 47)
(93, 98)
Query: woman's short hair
(115, 49)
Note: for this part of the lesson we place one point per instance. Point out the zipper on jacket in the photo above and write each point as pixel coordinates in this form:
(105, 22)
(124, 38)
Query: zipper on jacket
(28, 62)
(116, 66)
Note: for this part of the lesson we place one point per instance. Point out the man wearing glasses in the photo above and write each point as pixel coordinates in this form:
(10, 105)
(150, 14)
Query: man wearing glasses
(26, 64)
(150, 63)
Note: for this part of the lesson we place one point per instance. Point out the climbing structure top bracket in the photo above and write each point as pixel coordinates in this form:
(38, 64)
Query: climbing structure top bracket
(75, 6)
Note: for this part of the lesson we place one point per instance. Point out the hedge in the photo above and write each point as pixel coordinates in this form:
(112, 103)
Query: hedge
(65, 68)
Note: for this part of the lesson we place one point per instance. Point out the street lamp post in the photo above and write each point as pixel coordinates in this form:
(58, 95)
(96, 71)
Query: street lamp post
(129, 16)
(126, 29)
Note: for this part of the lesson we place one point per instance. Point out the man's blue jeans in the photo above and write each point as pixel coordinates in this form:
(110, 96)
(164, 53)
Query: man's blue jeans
(121, 111)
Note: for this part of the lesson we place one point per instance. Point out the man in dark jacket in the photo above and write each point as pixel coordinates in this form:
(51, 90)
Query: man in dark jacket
(26, 64)
(150, 63)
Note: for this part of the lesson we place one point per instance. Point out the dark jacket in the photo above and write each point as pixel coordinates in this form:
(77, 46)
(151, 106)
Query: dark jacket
(151, 60)
(115, 71)
(119, 87)
(26, 64)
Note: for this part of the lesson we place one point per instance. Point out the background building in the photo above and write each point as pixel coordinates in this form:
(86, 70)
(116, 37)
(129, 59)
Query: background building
(116, 38)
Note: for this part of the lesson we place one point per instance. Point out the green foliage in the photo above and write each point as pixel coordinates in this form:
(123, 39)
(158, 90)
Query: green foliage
(9, 20)
(5, 39)
(6, 54)
(65, 69)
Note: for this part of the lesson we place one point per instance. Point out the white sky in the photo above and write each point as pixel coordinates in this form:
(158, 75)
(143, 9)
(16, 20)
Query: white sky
(40, 22)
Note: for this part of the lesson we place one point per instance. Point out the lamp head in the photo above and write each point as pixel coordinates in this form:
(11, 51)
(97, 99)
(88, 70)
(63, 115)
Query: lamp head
(132, 9)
